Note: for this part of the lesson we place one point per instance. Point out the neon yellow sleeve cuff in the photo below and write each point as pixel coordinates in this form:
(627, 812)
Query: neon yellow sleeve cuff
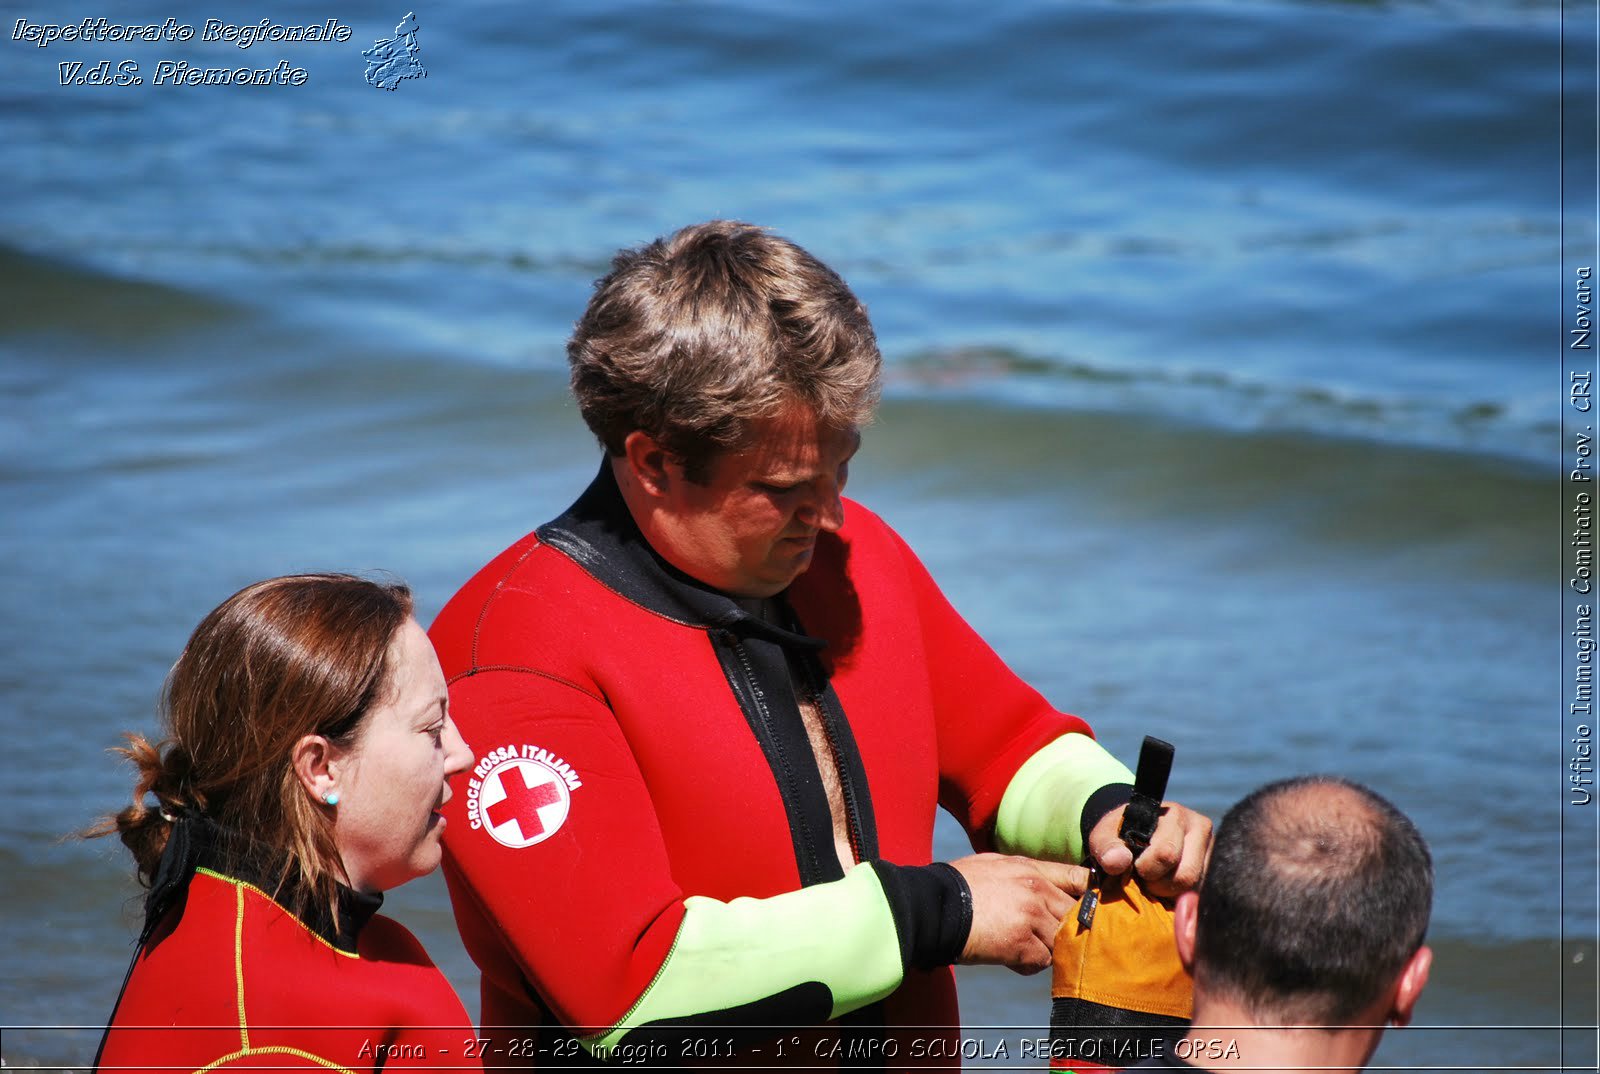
(1041, 813)
(729, 955)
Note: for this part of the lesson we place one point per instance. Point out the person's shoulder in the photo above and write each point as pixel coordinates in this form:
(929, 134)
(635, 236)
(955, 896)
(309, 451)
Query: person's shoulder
(386, 939)
(389, 949)
(858, 516)
(866, 528)
(868, 536)
(517, 587)
(207, 913)
(524, 557)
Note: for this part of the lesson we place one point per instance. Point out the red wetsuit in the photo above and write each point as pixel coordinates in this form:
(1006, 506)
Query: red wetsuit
(232, 979)
(646, 841)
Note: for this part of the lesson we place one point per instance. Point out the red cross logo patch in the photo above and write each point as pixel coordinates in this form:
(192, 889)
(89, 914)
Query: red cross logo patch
(522, 801)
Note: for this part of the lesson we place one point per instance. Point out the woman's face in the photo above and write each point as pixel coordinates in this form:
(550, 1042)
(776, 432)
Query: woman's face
(392, 780)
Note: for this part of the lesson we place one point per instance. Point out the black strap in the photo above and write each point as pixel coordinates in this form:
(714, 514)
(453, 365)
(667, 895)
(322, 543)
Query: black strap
(187, 842)
(1149, 789)
(1138, 819)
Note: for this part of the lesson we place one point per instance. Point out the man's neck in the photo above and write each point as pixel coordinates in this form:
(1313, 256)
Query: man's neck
(1224, 1037)
(655, 525)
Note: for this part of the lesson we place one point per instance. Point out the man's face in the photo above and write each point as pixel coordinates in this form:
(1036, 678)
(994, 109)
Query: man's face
(752, 528)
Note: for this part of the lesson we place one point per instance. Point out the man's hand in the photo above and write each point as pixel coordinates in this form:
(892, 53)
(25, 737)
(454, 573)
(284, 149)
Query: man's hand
(1017, 905)
(1175, 857)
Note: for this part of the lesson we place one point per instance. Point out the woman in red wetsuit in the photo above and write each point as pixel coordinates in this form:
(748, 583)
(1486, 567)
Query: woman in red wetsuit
(308, 752)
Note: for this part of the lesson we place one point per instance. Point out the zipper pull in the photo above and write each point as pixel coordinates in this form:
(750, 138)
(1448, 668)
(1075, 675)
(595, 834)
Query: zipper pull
(1091, 898)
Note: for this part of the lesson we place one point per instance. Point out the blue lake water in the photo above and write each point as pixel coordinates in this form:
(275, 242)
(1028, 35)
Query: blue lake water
(1218, 388)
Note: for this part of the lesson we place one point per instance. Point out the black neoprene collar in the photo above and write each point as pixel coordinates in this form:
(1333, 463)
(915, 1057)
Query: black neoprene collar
(599, 534)
(196, 842)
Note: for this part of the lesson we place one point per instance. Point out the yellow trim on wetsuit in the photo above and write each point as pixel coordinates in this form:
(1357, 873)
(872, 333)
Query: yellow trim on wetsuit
(295, 917)
(246, 1051)
(274, 1049)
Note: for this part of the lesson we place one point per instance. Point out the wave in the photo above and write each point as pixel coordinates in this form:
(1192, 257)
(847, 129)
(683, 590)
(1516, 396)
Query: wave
(1499, 428)
(1363, 503)
(263, 250)
(52, 294)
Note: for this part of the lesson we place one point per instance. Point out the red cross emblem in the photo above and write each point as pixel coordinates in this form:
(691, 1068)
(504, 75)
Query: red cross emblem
(524, 802)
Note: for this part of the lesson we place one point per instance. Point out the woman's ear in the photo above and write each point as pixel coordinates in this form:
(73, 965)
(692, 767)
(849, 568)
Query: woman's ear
(317, 768)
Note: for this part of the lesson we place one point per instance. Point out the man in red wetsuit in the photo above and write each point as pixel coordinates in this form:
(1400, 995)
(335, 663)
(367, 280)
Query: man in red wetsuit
(716, 705)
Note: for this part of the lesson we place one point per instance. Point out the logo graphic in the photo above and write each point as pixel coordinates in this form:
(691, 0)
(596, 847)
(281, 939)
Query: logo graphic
(393, 60)
(520, 795)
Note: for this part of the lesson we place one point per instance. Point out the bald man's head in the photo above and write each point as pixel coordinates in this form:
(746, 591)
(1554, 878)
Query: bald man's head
(1317, 894)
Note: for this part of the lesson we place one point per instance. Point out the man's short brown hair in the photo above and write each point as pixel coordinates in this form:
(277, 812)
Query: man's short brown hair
(693, 337)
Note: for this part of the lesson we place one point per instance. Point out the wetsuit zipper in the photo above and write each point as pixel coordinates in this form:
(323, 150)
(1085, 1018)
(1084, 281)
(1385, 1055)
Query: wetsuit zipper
(807, 829)
(747, 690)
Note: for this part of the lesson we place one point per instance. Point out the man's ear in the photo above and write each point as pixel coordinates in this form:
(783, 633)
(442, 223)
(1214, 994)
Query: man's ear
(1185, 911)
(1413, 977)
(316, 766)
(648, 462)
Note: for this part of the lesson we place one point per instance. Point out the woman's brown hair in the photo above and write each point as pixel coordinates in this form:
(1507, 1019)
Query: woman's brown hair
(281, 659)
